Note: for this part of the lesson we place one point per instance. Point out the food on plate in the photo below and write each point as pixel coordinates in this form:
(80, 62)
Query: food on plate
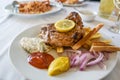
(64, 25)
(35, 7)
(80, 47)
(69, 1)
(83, 59)
(95, 36)
(63, 39)
(101, 46)
(40, 60)
(58, 66)
(93, 39)
(34, 45)
(60, 49)
(84, 39)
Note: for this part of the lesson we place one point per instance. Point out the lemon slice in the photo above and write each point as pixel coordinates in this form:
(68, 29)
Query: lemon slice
(64, 25)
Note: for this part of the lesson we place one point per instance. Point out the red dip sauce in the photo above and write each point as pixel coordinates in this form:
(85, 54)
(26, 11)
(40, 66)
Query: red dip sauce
(40, 60)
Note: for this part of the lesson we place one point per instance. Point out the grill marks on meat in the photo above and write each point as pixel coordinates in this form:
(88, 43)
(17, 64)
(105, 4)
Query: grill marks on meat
(67, 39)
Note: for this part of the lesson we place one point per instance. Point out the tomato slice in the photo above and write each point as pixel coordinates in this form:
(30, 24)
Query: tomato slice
(40, 60)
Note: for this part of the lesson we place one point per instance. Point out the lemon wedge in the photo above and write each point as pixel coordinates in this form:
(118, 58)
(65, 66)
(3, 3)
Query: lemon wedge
(64, 25)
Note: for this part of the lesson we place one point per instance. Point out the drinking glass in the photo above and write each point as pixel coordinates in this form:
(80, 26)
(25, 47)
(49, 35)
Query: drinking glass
(116, 27)
(105, 9)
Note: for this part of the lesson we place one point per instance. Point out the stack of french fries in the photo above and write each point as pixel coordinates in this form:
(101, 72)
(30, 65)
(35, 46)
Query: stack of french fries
(92, 42)
(101, 46)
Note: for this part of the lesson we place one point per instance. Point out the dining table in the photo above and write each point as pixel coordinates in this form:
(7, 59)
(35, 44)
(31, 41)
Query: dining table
(12, 25)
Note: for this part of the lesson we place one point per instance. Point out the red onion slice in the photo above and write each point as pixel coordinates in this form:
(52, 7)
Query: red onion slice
(79, 59)
(83, 59)
(88, 57)
(100, 57)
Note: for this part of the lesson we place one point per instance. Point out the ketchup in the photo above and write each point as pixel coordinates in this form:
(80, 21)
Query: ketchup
(40, 60)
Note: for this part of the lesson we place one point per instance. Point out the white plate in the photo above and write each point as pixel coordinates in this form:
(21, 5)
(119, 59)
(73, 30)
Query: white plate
(55, 8)
(18, 58)
(80, 3)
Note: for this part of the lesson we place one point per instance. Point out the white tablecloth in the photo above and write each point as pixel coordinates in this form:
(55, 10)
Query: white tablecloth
(14, 25)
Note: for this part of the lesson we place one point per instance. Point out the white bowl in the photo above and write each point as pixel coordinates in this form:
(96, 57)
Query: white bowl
(87, 15)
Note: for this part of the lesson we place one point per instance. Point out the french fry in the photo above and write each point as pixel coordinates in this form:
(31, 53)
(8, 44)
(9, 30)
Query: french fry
(107, 41)
(87, 29)
(100, 44)
(60, 49)
(97, 35)
(88, 42)
(104, 48)
(87, 37)
(86, 46)
(83, 40)
(98, 27)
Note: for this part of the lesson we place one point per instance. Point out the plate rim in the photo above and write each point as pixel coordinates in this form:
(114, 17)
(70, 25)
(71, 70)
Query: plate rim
(59, 7)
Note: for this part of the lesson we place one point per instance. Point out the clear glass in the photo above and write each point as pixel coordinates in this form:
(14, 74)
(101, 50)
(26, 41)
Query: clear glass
(116, 27)
(105, 9)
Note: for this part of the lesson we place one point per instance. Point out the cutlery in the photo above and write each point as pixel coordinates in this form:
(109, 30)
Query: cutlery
(15, 6)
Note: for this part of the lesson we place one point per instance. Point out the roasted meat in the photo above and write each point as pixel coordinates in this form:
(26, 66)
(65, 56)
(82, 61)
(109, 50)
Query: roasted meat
(63, 39)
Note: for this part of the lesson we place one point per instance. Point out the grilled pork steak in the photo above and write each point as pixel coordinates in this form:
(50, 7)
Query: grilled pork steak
(66, 39)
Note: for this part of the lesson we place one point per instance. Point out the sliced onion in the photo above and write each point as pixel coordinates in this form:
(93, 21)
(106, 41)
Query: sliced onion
(83, 65)
(79, 59)
(100, 57)
(73, 59)
(88, 57)
(84, 59)
(95, 54)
